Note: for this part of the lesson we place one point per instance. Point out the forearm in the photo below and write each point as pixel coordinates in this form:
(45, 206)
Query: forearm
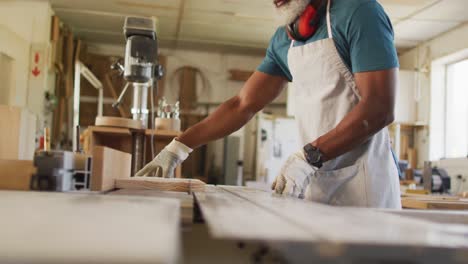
(259, 90)
(367, 118)
(226, 119)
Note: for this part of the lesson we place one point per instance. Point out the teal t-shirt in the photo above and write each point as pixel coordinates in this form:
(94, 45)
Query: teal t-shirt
(363, 36)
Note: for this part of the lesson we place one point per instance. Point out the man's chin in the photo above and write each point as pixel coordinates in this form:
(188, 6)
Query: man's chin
(289, 12)
(283, 18)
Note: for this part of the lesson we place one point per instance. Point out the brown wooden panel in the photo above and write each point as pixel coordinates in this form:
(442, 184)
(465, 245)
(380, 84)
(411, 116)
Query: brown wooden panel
(108, 165)
(16, 174)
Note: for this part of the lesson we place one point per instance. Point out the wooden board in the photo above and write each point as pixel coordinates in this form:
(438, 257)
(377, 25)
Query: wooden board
(355, 226)
(17, 133)
(108, 165)
(434, 204)
(438, 216)
(16, 174)
(161, 184)
(40, 227)
(328, 234)
(112, 137)
(118, 122)
(185, 199)
(233, 218)
(55, 29)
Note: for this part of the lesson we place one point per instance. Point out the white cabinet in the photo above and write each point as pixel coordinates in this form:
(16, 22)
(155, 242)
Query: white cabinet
(405, 103)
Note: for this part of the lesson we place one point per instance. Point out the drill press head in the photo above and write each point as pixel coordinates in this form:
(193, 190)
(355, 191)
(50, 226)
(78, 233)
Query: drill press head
(141, 49)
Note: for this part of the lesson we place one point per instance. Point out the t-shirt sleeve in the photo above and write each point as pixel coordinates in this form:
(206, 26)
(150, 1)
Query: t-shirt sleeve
(371, 39)
(270, 64)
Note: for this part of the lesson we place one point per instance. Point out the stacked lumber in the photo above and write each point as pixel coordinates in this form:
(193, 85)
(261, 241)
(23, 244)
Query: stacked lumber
(429, 202)
(161, 184)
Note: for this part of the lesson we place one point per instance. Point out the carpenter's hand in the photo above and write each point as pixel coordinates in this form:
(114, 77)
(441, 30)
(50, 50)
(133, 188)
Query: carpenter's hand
(294, 176)
(166, 161)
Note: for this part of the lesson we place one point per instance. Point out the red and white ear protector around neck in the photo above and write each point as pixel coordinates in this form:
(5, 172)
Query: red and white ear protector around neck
(305, 25)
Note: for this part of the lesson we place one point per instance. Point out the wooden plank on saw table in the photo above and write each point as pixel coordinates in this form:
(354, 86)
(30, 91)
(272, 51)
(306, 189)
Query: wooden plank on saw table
(428, 204)
(39, 227)
(438, 216)
(357, 226)
(161, 184)
(185, 199)
(234, 218)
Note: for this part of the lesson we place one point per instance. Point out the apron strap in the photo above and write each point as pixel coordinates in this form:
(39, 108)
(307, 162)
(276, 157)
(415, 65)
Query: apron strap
(292, 43)
(329, 27)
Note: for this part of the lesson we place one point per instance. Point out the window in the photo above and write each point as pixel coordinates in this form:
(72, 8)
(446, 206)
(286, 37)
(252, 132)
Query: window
(456, 110)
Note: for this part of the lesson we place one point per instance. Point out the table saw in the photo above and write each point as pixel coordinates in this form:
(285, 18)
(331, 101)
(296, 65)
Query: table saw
(223, 224)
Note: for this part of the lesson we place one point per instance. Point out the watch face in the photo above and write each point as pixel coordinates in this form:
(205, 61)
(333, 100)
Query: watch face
(313, 155)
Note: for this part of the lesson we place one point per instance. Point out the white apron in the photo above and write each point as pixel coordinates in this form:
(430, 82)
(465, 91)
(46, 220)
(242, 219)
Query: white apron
(324, 92)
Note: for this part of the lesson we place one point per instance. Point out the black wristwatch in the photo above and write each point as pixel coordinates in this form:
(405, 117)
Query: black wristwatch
(313, 155)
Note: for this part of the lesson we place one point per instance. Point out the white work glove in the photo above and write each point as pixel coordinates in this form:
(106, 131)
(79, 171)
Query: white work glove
(166, 161)
(294, 177)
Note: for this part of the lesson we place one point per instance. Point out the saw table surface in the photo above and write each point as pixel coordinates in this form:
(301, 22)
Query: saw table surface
(239, 213)
(87, 228)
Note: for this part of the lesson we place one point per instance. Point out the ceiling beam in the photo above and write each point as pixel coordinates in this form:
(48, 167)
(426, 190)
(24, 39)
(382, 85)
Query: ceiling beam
(91, 12)
(417, 12)
(179, 19)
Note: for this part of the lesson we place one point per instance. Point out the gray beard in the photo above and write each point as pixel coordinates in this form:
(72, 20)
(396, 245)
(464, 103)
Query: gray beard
(286, 14)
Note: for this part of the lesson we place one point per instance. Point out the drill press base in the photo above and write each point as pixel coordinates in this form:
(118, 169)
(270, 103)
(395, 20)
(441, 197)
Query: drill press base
(118, 122)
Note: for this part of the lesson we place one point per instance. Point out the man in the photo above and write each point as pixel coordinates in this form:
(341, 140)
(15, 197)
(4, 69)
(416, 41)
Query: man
(345, 75)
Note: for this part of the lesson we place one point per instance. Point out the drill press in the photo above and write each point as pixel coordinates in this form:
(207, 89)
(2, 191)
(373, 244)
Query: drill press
(141, 70)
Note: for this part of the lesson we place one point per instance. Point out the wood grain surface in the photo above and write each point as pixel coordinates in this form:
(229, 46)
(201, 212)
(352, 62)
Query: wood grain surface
(185, 199)
(87, 228)
(343, 225)
(108, 165)
(234, 218)
(426, 204)
(161, 184)
(16, 174)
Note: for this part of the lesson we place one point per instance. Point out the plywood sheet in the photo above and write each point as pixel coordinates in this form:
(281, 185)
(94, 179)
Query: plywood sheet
(17, 133)
(87, 228)
(438, 216)
(16, 174)
(108, 165)
(161, 184)
(234, 218)
(185, 199)
(356, 226)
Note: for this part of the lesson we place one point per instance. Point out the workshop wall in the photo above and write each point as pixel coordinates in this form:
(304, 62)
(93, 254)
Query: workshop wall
(421, 57)
(24, 28)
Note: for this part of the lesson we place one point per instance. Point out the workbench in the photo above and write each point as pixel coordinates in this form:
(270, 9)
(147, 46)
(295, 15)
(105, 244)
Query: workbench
(224, 224)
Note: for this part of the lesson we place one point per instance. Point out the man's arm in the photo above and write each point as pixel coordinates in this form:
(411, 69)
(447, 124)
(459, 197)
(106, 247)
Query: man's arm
(259, 90)
(374, 112)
